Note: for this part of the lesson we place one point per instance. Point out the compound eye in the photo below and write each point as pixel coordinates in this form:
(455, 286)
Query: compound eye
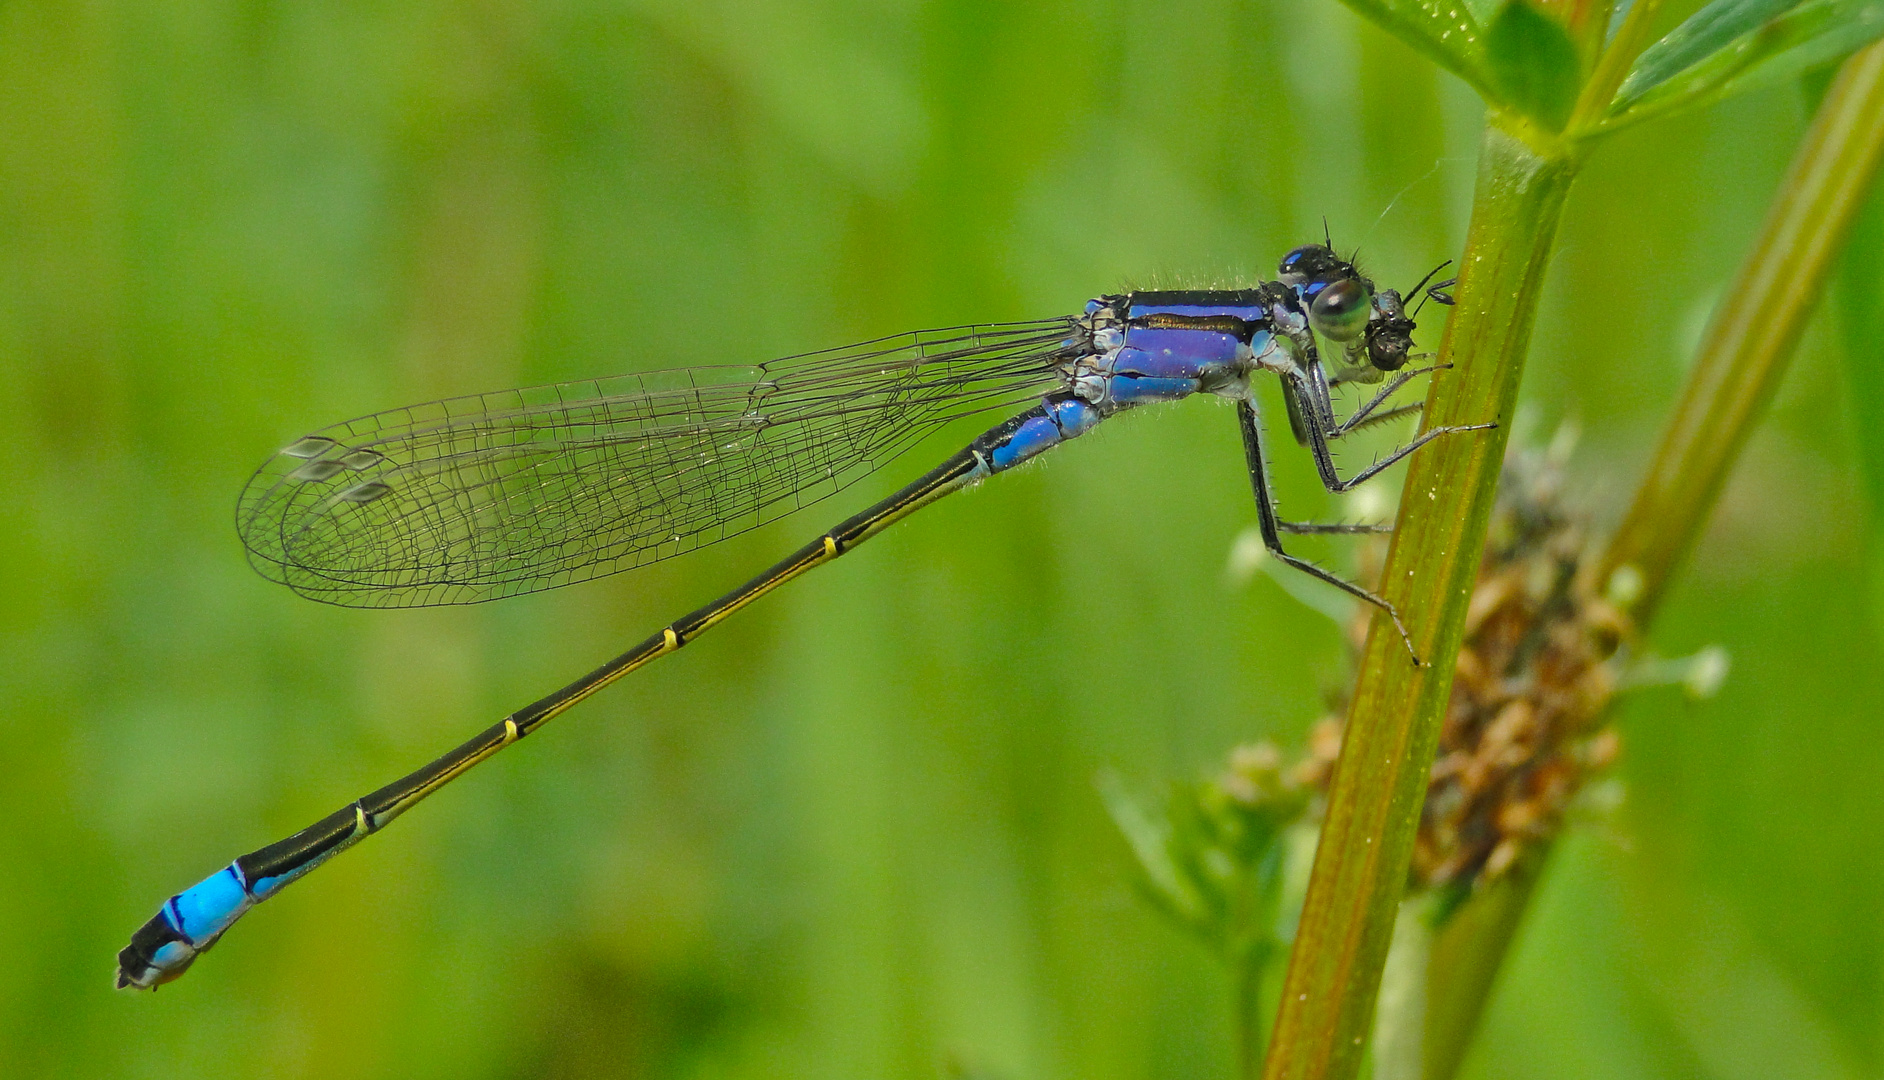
(1302, 263)
(1339, 311)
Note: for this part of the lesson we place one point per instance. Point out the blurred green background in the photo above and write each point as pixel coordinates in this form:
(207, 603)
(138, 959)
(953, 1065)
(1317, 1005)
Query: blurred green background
(854, 833)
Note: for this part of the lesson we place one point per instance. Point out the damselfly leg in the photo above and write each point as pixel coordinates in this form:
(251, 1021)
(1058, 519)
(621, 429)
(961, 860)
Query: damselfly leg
(1272, 527)
(1322, 428)
(1364, 416)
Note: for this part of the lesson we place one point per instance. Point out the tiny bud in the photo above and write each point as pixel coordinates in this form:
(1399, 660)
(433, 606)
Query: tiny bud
(1707, 670)
(1625, 586)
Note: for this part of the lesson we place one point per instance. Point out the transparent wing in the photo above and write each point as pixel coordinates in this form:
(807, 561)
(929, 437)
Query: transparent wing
(481, 497)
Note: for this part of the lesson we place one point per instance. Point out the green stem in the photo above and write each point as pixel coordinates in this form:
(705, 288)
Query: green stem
(1738, 365)
(1612, 67)
(1466, 955)
(1754, 330)
(1400, 1023)
(1393, 726)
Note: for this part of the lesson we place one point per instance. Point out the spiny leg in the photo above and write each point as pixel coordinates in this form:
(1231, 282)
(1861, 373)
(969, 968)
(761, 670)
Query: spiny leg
(1320, 423)
(1316, 528)
(1271, 527)
(1388, 417)
(1324, 460)
(1360, 416)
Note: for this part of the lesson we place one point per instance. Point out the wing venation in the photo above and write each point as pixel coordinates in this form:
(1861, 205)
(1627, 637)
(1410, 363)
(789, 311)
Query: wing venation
(492, 495)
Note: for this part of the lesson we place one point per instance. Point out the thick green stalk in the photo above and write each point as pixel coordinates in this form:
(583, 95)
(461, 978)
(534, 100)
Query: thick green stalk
(1739, 363)
(1754, 330)
(1393, 726)
(1466, 955)
(1400, 1016)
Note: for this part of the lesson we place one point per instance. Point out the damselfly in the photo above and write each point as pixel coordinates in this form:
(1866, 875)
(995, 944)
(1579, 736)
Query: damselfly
(483, 497)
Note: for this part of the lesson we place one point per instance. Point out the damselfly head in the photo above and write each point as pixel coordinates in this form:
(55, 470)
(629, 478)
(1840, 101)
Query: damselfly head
(1372, 327)
(1314, 263)
(1339, 299)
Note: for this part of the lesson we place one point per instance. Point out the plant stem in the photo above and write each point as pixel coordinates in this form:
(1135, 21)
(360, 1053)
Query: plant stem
(1612, 66)
(1754, 330)
(1466, 955)
(1400, 1019)
(1380, 781)
(1739, 363)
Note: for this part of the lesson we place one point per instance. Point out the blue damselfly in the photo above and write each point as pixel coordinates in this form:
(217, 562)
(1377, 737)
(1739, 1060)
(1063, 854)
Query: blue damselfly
(477, 498)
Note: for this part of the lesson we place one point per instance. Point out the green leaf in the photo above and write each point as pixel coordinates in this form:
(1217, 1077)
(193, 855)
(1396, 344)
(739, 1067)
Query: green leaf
(1150, 839)
(1810, 34)
(1534, 64)
(1443, 31)
(1212, 857)
(1705, 33)
(1860, 291)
